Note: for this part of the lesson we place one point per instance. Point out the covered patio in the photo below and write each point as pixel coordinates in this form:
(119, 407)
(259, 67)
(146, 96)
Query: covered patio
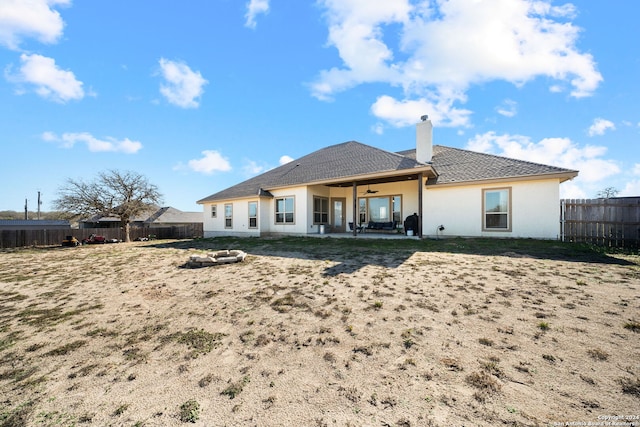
(357, 224)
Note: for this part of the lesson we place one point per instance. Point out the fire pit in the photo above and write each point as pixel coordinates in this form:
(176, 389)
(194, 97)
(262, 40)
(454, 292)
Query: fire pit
(216, 258)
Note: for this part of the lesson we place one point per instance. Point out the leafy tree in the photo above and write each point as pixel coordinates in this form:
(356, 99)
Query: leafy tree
(123, 195)
(607, 193)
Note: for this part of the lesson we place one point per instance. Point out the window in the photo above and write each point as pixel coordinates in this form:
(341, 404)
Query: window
(253, 214)
(396, 204)
(285, 210)
(228, 216)
(320, 210)
(380, 209)
(496, 207)
(214, 211)
(362, 211)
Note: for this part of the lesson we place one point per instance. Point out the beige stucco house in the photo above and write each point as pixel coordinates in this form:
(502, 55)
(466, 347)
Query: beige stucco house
(353, 188)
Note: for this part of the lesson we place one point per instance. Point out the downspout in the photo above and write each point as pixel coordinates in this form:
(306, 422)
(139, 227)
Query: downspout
(355, 207)
(420, 218)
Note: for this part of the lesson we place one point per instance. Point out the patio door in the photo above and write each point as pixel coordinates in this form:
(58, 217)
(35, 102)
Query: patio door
(338, 215)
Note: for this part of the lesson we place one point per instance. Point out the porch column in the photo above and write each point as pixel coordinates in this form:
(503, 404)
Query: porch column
(420, 205)
(355, 207)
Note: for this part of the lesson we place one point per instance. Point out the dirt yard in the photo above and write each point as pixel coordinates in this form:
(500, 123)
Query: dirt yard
(317, 335)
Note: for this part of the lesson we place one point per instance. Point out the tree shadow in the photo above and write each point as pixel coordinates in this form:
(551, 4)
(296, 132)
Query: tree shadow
(350, 255)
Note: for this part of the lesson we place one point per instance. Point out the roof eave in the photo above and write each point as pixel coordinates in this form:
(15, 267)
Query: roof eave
(263, 195)
(427, 170)
(561, 176)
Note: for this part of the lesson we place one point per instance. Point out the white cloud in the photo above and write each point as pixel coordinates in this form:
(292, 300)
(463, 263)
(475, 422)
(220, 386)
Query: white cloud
(30, 18)
(573, 190)
(285, 159)
(636, 169)
(378, 128)
(600, 126)
(408, 112)
(252, 168)
(355, 29)
(631, 189)
(508, 108)
(560, 152)
(211, 161)
(444, 47)
(49, 81)
(255, 8)
(182, 86)
(108, 144)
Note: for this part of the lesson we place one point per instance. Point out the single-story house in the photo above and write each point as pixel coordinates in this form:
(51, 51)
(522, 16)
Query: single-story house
(353, 188)
(34, 224)
(153, 218)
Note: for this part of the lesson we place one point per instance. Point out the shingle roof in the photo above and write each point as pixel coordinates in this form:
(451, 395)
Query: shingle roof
(172, 215)
(458, 165)
(155, 215)
(334, 162)
(352, 158)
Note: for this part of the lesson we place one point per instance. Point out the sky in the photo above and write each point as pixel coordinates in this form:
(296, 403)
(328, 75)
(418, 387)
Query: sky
(197, 96)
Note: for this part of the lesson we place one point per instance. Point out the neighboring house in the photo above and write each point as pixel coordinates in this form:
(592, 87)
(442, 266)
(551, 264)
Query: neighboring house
(454, 192)
(35, 224)
(153, 218)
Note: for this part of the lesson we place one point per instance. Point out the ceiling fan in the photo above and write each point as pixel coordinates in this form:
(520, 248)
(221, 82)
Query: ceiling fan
(370, 191)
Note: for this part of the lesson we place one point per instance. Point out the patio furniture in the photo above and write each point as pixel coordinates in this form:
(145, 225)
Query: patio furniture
(359, 228)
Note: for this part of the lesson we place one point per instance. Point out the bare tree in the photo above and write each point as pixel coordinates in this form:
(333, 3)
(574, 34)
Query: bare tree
(607, 193)
(123, 195)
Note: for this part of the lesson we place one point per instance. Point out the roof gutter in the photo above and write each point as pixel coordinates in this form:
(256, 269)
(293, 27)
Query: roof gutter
(562, 176)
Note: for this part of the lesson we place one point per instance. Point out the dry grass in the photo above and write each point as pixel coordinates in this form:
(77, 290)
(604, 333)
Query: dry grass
(318, 332)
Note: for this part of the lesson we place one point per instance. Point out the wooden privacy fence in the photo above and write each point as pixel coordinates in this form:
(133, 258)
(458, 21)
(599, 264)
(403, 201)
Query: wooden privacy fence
(613, 222)
(22, 238)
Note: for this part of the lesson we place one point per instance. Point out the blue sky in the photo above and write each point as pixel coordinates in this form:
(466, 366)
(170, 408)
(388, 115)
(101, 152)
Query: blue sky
(203, 94)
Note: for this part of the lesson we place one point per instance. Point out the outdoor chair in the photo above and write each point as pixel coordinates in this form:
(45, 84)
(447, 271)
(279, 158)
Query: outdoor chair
(359, 228)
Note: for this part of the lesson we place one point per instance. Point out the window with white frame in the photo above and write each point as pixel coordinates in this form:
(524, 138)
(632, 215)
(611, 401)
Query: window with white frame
(228, 215)
(214, 211)
(496, 209)
(253, 214)
(320, 210)
(285, 210)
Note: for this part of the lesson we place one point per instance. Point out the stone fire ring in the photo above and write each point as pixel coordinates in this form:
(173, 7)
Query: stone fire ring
(216, 258)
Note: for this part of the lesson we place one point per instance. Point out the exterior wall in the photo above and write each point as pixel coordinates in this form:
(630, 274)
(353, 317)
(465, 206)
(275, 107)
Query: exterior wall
(535, 210)
(301, 209)
(213, 227)
(321, 191)
(265, 214)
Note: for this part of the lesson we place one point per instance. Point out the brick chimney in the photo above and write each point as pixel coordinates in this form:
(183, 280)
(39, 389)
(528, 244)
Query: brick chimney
(424, 140)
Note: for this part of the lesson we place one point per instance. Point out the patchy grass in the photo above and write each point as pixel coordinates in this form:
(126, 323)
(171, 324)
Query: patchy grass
(632, 325)
(235, 388)
(66, 348)
(189, 411)
(360, 329)
(630, 386)
(200, 341)
(598, 354)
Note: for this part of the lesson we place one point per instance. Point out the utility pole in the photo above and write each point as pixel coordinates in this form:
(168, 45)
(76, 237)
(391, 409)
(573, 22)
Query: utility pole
(39, 203)
(26, 212)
